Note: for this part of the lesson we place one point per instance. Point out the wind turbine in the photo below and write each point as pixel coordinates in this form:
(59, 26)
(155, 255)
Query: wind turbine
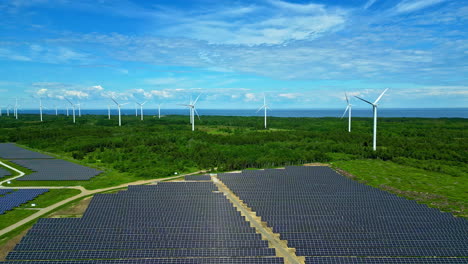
(73, 106)
(8, 110)
(349, 113)
(374, 108)
(141, 109)
(159, 111)
(265, 107)
(118, 106)
(56, 111)
(136, 110)
(108, 111)
(79, 108)
(193, 111)
(16, 109)
(67, 111)
(40, 108)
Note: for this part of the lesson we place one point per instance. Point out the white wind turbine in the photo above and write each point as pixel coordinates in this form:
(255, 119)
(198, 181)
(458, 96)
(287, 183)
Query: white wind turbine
(193, 111)
(348, 108)
(8, 110)
(108, 111)
(40, 108)
(56, 111)
(141, 109)
(374, 108)
(265, 107)
(159, 111)
(118, 106)
(79, 108)
(73, 107)
(15, 110)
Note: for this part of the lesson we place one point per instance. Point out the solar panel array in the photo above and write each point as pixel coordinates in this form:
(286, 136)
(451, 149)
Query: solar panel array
(55, 170)
(332, 219)
(12, 199)
(171, 222)
(4, 172)
(198, 178)
(12, 151)
(46, 168)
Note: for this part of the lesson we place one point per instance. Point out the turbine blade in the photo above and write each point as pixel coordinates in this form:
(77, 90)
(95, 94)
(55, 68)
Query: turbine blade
(123, 104)
(363, 100)
(347, 100)
(114, 101)
(378, 99)
(346, 110)
(144, 102)
(69, 101)
(260, 108)
(196, 100)
(196, 112)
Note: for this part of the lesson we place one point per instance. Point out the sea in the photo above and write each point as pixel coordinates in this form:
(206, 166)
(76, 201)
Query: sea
(356, 112)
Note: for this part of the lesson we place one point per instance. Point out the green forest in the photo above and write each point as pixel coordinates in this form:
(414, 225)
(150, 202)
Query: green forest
(160, 147)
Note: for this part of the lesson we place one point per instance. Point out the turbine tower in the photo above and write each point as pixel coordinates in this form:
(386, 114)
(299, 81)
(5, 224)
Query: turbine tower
(40, 108)
(141, 109)
(79, 108)
(16, 109)
(108, 112)
(73, 107)
(265, 107)
(67, 111)
(159, 111)
(374, 108)
(118, 106)
(348, 108)
(193, 111)
(56, 111)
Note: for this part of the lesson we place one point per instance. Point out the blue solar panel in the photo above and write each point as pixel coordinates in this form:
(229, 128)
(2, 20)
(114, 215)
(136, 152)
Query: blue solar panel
(321, 213)
(18, 197)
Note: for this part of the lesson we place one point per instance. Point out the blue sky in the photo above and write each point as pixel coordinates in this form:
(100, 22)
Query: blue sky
(301, 54)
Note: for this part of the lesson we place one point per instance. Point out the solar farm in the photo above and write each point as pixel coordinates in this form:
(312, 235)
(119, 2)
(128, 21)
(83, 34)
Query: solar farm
(4, 172)
(46, 168)
(10, 198)
(319, 215)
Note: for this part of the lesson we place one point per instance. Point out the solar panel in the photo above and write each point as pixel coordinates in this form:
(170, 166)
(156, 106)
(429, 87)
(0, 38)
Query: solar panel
(13, 199)
(4, 172)
(55, 170)
(12, 151)
(183, 222)
(321, 213)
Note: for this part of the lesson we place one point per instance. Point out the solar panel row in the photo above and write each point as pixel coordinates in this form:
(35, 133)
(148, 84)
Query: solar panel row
(219, 260)
(18, 197)
(4, 172)
(321, 213)
(12, 151)
(46, 168)
(55, 170)
(163, 229)
(198, 178)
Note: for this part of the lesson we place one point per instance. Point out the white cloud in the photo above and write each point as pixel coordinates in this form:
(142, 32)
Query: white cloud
(249, 97)
(407, 6)
(290, 95)
(369, 3)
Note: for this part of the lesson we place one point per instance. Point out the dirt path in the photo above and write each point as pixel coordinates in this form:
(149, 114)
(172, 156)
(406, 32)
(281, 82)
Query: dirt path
(273, 239)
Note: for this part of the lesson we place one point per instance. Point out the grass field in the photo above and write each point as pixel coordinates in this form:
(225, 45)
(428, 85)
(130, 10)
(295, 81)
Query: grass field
(439, 190)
